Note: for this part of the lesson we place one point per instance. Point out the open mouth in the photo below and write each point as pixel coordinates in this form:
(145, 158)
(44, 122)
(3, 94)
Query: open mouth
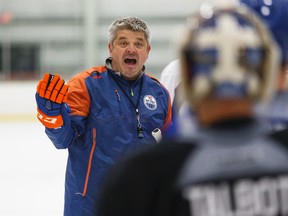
(130, 61)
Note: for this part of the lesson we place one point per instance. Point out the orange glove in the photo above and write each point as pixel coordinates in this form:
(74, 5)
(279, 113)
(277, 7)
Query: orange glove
(50, 96)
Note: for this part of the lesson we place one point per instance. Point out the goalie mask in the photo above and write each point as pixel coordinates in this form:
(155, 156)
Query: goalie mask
(227, 54)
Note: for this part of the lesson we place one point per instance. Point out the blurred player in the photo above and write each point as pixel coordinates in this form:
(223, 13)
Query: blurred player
(229, 63)
(275, 15)
(170, 77)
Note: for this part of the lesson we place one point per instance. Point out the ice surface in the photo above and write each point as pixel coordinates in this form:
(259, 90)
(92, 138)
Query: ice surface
(32, 170)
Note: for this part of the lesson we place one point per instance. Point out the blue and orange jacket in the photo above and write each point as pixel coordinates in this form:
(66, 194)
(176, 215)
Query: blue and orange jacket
(103, 127)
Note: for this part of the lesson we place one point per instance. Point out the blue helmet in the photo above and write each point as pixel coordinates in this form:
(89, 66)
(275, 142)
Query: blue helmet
(275, 15)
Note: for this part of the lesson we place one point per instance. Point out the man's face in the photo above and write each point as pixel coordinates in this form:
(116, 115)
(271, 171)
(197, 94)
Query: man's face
(129, 52)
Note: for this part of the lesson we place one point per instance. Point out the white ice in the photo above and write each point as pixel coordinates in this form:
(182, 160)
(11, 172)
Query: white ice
(32, 170)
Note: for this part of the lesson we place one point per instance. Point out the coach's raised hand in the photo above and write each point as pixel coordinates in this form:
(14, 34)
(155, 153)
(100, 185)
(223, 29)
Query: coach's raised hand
(50, 98)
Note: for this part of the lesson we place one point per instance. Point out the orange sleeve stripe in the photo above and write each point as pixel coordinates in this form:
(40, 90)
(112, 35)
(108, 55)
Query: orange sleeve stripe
(89, 163)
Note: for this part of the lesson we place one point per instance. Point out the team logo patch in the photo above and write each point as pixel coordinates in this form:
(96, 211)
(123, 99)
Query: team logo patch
(150, 102)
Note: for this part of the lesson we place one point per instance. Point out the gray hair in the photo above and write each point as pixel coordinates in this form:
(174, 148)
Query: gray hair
(128, 23)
